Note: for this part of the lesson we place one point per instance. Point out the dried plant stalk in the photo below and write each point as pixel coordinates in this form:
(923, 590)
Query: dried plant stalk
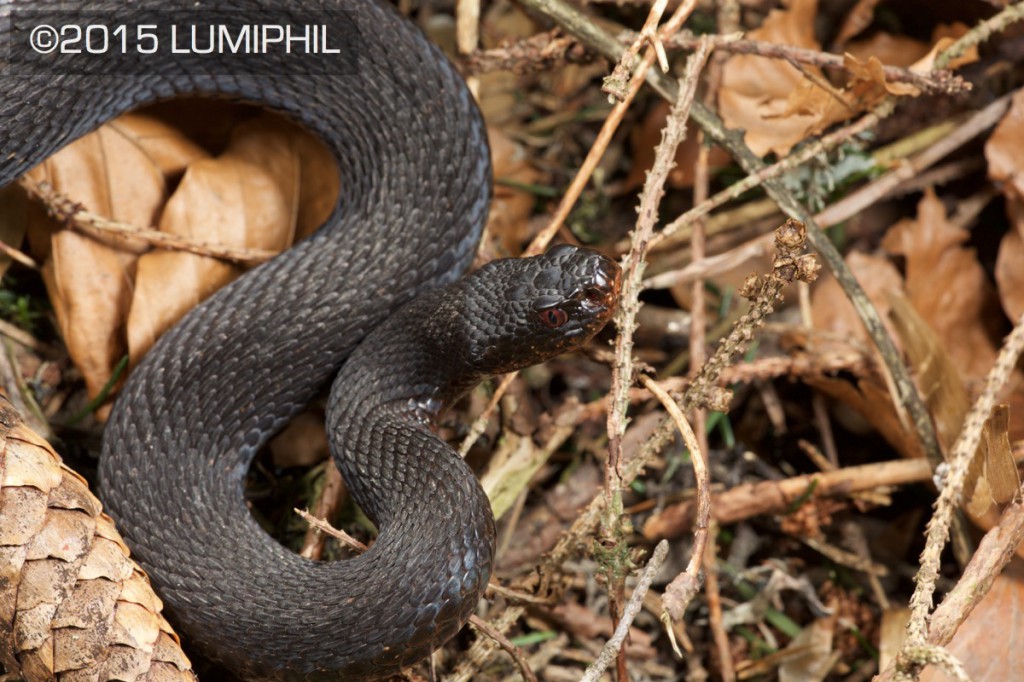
(73, 605)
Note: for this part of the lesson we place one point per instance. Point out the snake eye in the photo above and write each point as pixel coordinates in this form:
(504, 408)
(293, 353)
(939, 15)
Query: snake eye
(554, 317)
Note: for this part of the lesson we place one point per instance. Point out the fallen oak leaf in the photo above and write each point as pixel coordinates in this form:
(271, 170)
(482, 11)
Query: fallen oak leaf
(112, 171)
(247, 197)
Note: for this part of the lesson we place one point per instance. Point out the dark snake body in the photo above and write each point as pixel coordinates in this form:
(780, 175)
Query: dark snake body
(415, 178)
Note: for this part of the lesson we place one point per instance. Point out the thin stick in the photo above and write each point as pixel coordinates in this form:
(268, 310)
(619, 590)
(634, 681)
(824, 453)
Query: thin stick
(65, 209)
(578, 24)
(335, 533)
(748, 500)
(612, 647)
(714, 598)
(949, 497)
(476, 429)
(511, 649)
(681, 591)
(604, 137)
(522, 55)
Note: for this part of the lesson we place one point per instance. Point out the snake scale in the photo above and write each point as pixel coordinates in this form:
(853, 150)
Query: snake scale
(372, 302)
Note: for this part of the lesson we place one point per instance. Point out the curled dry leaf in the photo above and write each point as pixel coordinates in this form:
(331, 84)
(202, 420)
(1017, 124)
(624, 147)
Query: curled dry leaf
(779, 106)
(866, 395)
(992, 476)
(73, 605)
(1010, 273)
(753, 87)
(810, 656)
(114, 172)
(947, 286)
(247, 197)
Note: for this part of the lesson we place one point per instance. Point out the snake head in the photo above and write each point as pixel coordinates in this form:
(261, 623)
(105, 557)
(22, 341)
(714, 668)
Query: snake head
(545, 306)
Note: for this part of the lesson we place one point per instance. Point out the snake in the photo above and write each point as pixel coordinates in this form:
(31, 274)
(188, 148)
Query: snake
(375, 309)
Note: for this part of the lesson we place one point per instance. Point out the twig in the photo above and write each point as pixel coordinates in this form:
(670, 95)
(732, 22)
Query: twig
(533, 54)
(979, 34)
(19, 256)
(511, 649)
(576, 23)
(949, 497)
(604, 137)
(612, 647)
(748, 500)
(703, 391)
(65, 209)
(714, 600)
(755, 179)
(617, 84)
(467, 25)
(924, 654)
(938, 81)
(633, 267)
(977, 123)
(484, 647)
(525, 56)
(328, 529)
(326, 506)
(994, 551)
(683, 588)
(479, 424)
(25, 339)
(611, 534)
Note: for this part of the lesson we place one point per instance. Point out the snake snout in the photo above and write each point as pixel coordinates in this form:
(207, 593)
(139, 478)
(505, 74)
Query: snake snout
(608, 280)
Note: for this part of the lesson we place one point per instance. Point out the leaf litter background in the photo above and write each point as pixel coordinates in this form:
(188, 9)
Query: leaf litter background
(812, 587)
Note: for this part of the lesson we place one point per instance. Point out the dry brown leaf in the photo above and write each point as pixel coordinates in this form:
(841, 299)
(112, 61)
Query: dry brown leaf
(940, 383)
(866, 87)
(1000, 466)
(755, 87)
(303, 442)
(992, 475)
(942, 37)
(947, 285)
(114, 172)
(1010, 273)
(811, 652)
(644, 138)
(778, 106)
(1004, 151)
(870, 399)
(831, 307)
(894, 50)
(247, 197)
(893, 634)
(987, 643)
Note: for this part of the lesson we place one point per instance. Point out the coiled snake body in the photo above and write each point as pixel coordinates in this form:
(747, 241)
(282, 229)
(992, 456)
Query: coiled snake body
(415, 180)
